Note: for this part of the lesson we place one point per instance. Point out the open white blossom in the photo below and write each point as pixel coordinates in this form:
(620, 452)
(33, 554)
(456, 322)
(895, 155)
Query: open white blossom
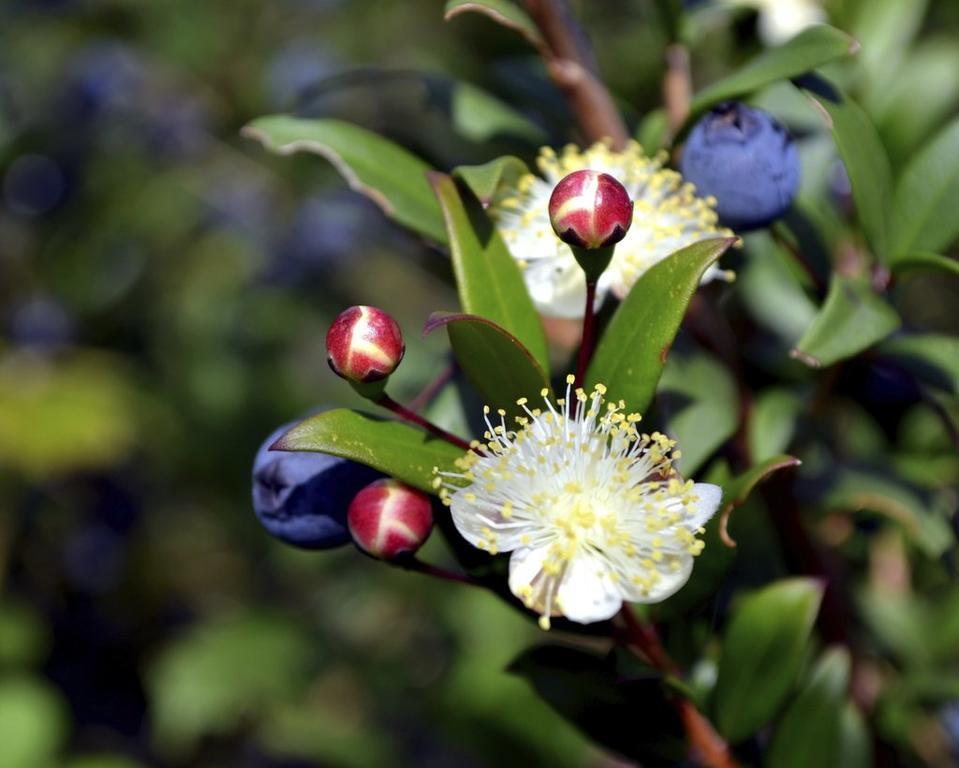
(591, 509)
(667, 216)
(780, 20)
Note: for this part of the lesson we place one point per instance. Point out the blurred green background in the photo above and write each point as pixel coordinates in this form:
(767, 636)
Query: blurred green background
(165, 288)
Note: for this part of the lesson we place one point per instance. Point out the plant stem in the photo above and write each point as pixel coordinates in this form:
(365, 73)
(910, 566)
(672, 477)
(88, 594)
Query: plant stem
(571, 65)
(414, 418)
(589, 334)
(413, 563)
(708, 747)
(677, 86)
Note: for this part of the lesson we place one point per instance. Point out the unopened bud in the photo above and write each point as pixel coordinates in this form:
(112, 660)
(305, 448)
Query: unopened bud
(364, 344)
(388, 519)
(590, 210)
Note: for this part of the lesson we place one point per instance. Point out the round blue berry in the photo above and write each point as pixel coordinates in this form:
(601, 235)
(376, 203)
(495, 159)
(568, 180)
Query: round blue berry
(745, 159)
(302, 497)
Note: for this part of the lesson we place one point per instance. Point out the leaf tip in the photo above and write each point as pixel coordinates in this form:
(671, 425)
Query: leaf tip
(805, 358)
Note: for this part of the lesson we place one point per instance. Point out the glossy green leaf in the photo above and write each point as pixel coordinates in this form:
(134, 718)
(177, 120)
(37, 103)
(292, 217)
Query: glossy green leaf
(699, 405)
(736, 490)
(396, 449)
(480, 117)
(587, 691)
(772, 423)
(924, 208)
(821, 726)
(934, 358)
(487, 277)
(386, 173)
(851, 320)
(34, 722)
(922, 261)
(653, 131)
(504, 12)
(867, 165)
(500, 368)
(811, 48)
(632, 352)
(485, 180)
(762, 653)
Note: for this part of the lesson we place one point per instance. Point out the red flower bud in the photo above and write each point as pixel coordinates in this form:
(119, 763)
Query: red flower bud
(364, 344)
(387, 519)
(589, 210)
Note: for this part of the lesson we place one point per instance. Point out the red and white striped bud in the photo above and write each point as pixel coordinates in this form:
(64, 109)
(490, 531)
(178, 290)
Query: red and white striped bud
(364, 344)
(388, 519)
(590, 210)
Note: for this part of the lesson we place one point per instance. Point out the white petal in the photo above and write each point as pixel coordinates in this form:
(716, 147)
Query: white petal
(668, 583)
(525, 565)
(587, 593)
(475, 523)
(558, 287)
(709, 497)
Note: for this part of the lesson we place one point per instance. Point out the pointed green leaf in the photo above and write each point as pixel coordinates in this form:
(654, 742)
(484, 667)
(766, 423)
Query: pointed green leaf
(480, 117)
(852, 319)
(396, 449)
(737, 489)
(498, 366)
(922, 261)
(632, 352)
(772, 423)
(487, 277)
(504, 12)
(484, 180)
(762, 653)
(821, 727)
(811, 48)
(386, 173)
(867, 165)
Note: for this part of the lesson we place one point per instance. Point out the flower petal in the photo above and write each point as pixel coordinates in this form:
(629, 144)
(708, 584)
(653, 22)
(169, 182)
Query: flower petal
(667, 583)
(588, 593)
(707, 502)
(483, 527)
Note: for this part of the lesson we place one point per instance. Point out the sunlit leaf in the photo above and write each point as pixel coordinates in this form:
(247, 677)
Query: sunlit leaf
(389, 175)
(851, 320)
(484, 180)
(488, 279)
(33, 722)
(396, 449)
(497, 365)
(762, 652)
(632, 352)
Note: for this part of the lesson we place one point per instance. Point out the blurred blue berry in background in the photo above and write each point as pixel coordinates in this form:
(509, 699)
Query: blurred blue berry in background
(302, 497)
(745, 159)
(104, 78)
(33, 185)
(41, 322)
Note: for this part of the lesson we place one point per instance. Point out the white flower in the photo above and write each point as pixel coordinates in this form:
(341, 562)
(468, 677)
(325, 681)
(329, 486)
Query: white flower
(667, 216)
(591, 509)
(780, 20)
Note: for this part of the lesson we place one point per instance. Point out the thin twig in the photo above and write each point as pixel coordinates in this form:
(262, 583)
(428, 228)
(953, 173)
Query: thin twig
(571, 65)
(588, 340)
(407, 415)
(677, 87)
(413, 563)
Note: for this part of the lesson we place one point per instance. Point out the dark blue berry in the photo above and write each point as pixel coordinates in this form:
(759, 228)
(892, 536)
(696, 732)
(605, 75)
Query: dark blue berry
(302, 497)
(745, 159)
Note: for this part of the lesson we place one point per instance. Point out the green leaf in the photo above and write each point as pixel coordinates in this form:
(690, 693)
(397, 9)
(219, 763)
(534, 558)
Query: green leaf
(772, 423)
(852, 319)
(33, 722)
(762, 653)
(396, 449)
(386, 173)
(934, 358)
(503, 12)
(821, 727)
(737, 489)
(499, 367)
(632, 352)
(485, 180)
(653, 131)
(924, 211)
(587, 691)
(487, 277)
(867, 165)
(699, 404)
(921, 261)
(480, 117)
(24, 637)
(811, 48)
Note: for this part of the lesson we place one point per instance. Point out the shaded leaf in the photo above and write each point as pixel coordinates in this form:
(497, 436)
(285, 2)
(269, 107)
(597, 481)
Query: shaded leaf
(821, 727)
(632, 352)
(480, 117)
(852, 319)
(484, 180)
(772, 423)
(934, 358)
(924, 208)
(867, 166)
(811, 48)
(762, 652)
(487, 277)
(386, 173)
(504, 12)
(396, 449)
(499, 367)
(630, 716)
(737, 489)
(922, 261)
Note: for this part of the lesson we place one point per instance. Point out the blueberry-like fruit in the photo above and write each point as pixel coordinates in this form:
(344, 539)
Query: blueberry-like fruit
(745, 159)
(302, 497)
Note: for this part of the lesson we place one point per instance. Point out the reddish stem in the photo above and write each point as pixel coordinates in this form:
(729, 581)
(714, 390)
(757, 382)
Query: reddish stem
(589, 334)
(413, 563)
(414, 418)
